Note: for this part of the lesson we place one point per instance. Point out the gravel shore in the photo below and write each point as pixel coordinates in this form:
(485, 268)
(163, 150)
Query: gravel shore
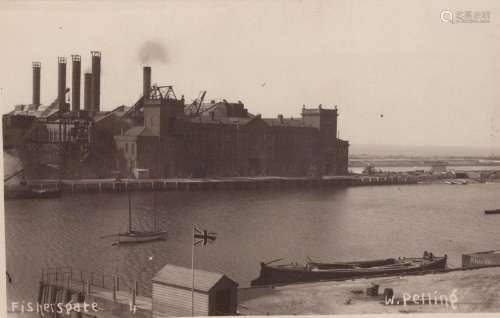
(453, 292)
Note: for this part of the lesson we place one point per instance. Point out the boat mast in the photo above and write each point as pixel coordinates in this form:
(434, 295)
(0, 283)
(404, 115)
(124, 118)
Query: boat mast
(129, 213)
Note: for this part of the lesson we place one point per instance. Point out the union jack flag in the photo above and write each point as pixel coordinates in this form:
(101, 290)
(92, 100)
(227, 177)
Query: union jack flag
(203, 236)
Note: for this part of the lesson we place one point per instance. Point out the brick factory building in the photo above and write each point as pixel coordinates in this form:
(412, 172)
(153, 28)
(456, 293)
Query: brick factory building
(224, 139)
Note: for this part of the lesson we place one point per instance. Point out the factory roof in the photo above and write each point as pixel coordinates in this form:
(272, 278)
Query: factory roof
(223, 107)
(286, 122)
(41, 111)
(120, 110)
(220, 120)
(140, 131)
(317, 111)
(182, 277)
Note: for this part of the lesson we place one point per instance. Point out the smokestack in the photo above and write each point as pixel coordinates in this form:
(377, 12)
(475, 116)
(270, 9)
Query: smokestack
(61, 82)
(96, 80)
(87, 91)
(146, 82)
(75, 83)
(36, 83)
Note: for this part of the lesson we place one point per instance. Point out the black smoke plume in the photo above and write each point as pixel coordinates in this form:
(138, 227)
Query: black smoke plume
(151, 52)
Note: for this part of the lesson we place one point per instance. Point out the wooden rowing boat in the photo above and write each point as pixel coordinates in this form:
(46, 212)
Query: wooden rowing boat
(314, 271)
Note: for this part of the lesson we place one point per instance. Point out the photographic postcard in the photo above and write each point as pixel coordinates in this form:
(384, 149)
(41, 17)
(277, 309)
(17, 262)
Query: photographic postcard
(199, 158)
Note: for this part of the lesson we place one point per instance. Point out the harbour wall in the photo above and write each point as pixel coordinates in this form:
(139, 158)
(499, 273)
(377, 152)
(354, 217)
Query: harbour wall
(240, 183)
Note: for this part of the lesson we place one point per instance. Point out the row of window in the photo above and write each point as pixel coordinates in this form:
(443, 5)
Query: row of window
(55, 137)
(131, 147)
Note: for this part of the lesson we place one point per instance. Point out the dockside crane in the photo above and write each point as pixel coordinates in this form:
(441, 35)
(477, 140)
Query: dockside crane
(200, 101)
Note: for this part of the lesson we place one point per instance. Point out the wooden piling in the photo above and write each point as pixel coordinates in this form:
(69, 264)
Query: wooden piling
(114, 288)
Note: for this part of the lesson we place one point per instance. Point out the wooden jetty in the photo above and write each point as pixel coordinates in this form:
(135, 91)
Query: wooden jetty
(113, 296)
(233, 183)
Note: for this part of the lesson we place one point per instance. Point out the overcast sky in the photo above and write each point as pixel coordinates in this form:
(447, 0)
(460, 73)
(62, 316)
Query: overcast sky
(434, 83)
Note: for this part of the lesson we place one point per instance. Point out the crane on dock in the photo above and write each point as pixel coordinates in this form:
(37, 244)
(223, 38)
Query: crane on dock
(195, 108)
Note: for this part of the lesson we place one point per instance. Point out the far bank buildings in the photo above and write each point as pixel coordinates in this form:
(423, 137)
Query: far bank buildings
(224, 139)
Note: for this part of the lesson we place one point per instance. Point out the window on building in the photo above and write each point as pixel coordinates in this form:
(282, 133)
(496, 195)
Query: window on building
(132, 148)
(171, 124)
(126, 147)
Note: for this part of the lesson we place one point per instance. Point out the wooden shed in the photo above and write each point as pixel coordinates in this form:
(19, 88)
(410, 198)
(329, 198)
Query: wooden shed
(481, 259)
(214, 293)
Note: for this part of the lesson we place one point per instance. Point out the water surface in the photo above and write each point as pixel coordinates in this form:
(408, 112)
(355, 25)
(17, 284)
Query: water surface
(324, 224)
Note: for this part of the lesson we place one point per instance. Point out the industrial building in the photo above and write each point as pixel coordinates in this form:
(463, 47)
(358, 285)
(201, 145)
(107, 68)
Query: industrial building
(162, 136)
(224, 139)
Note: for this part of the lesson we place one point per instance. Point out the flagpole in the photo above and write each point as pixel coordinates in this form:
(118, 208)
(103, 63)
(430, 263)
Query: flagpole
(192, 270)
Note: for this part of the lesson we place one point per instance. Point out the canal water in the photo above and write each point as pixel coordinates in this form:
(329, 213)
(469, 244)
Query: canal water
(355, 223)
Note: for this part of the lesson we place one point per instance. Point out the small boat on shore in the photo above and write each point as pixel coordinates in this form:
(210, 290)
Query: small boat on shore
(495, 211)
(314, 272)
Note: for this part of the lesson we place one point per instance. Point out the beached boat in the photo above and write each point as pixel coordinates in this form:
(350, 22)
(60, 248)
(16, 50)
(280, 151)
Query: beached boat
(27, 192)
(495, 211)
(313, 271)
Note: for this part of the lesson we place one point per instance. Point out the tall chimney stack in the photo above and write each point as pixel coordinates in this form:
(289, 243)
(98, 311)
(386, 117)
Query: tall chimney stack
(36, 83)
(96, 80)
(61, 82)
(75, 82)
(87, 91)
(146, 82)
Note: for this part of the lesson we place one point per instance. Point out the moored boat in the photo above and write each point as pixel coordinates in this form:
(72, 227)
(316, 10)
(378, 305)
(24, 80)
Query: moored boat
(141, 236)
(495, 211)
(138, 236)
(27, 192)
(313, 271)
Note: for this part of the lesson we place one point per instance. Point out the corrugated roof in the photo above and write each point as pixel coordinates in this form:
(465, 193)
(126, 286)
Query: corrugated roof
(182, 277)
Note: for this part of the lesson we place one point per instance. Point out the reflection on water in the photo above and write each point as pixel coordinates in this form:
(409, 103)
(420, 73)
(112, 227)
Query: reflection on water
(252, 226)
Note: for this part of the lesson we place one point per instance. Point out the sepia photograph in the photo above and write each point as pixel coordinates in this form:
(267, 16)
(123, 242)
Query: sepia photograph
(172, 158)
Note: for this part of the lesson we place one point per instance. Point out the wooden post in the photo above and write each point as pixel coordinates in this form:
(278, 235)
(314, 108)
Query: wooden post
(117, 283)
(133, 296)
(92, 277)
(88, 287)
(102, 281)
(192, 269)
(114, 288)
(136, 288)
